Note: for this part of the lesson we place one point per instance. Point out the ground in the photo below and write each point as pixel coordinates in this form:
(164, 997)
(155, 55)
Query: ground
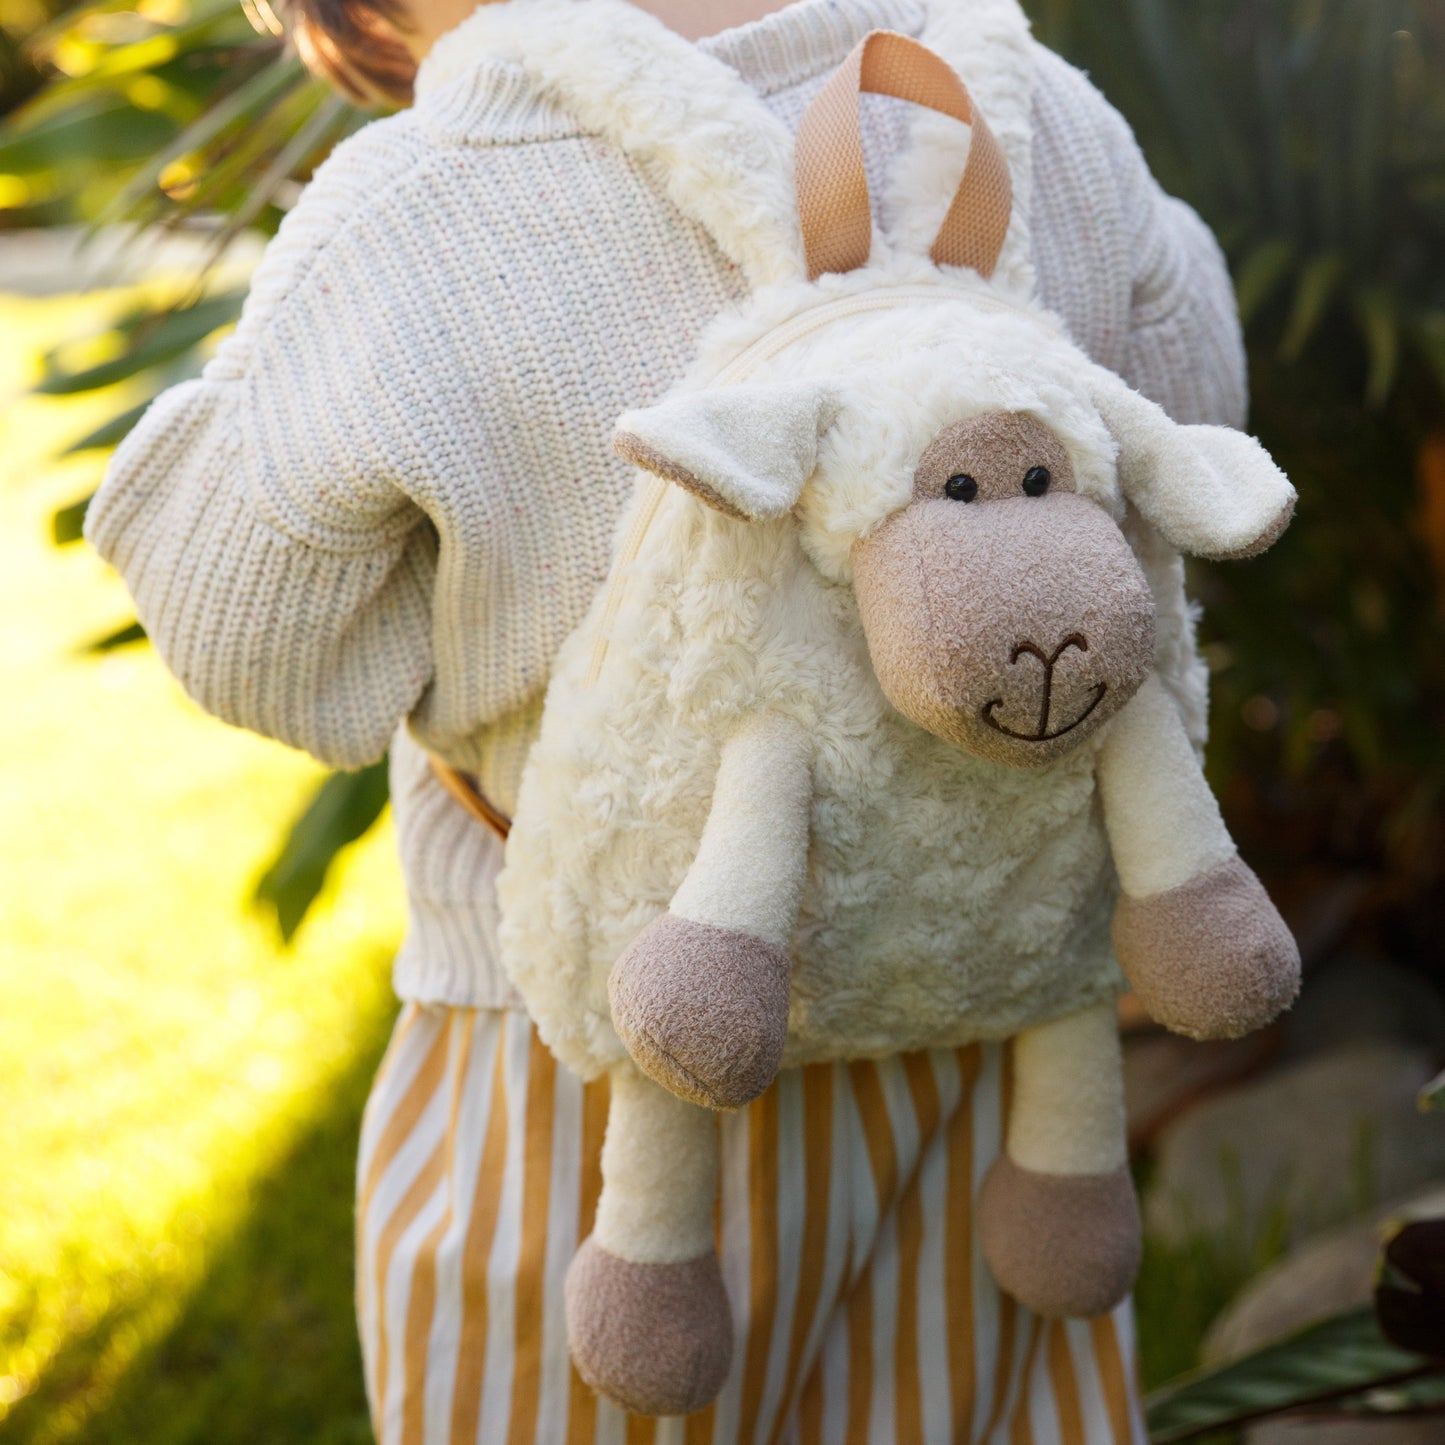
(180, 1094)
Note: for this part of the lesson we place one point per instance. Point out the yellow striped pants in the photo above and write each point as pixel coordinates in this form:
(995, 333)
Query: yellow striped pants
(864, 1311)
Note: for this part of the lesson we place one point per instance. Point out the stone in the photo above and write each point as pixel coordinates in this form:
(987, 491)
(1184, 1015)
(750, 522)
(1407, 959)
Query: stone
(1305, 1147)
(1165, 1074)
(1325, 1275)
(1353, 997)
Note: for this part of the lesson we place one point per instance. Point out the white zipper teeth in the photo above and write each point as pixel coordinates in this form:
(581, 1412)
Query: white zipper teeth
(738, 369)
(769, 346)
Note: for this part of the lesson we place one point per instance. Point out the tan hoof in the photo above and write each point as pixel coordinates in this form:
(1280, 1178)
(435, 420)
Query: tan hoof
(655, 1339)
(703, 1010)
(1064, 1245)
(1211, 958)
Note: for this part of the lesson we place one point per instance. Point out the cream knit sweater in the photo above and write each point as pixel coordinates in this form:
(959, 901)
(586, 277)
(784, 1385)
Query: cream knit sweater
(390, 496)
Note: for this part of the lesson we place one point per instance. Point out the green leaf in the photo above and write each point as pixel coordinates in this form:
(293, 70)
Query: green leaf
(1376, 310)
(1341, 1356)
(170, 335)
(122, 637)
(1371, 110)
(1260, 275)
(66, 524)
(199, 13)
(343, 808)
(110, 433)
(1408, 1397)
(103, 129)
(320, 127)
(1431, 1098)
(1316, 286)
(244, 104)
(223, 184)
(1428, 334)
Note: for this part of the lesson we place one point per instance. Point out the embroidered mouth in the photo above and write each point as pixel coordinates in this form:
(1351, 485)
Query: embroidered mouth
(1042, 734)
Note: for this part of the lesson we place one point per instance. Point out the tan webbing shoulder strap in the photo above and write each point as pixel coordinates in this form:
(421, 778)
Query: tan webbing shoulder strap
(471, 797)
(832, 183)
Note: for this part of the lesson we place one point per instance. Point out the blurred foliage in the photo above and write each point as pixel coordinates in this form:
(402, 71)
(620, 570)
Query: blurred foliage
(164, 112)
(180, 1099)
(1384, 1360)
(1184, 1284)
(171, 115)
(343, 809)
(1311, 135)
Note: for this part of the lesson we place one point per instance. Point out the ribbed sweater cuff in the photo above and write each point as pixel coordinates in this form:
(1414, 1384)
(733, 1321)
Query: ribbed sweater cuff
(450, 956)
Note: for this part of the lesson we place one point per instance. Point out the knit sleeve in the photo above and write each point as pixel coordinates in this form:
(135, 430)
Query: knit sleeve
(1185, 350)
(1138, 275)
(323, 648)
(1185, 347)
(263, 517)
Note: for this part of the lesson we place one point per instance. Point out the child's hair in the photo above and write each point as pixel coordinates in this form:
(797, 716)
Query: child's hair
(356, 45)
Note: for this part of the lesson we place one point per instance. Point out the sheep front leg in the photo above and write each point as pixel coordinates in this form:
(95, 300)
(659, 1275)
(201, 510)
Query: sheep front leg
(700, 997)
(1058, 1220)
(1195, 931)
(648, 1322)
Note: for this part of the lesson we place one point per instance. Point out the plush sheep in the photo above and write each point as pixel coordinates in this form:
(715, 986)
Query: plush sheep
(845, 761)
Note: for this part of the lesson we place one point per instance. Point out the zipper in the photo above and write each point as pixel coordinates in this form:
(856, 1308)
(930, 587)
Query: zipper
(805, 323)
(743, 365)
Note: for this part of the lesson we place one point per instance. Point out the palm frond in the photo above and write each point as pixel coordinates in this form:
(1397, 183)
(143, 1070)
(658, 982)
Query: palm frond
(341, 810)
(1334, 1360)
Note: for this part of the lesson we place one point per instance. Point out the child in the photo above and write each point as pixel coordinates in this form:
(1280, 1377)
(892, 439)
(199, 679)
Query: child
(372, 521)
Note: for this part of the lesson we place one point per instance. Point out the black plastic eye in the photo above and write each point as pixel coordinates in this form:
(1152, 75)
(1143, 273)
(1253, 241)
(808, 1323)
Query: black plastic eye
(1036, 481)
(960, 488)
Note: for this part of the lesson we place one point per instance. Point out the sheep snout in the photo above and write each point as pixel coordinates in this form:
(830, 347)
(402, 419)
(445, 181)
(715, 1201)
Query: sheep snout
(1013, 629)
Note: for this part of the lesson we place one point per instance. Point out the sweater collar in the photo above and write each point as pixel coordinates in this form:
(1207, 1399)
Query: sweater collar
(780, 50)
(806, 38)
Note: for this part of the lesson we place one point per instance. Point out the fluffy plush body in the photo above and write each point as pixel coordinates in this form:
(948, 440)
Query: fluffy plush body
(918, 923)
(946, 898)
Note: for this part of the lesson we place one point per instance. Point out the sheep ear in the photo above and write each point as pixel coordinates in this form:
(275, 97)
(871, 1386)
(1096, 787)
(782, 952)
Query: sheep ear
(1209, 490)
(746, 450)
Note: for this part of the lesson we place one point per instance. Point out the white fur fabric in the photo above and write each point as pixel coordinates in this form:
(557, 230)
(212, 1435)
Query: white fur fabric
(1210, 490)
(753, 859)
(751, 447)
(659, 1161)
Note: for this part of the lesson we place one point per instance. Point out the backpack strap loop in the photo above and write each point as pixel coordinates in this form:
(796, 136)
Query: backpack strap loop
(832, 184)
(463, 790)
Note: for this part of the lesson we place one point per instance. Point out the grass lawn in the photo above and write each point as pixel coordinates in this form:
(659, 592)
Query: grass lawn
(180, 1095)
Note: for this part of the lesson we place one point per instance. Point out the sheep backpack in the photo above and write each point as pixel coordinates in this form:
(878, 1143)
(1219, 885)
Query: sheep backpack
(873, 739)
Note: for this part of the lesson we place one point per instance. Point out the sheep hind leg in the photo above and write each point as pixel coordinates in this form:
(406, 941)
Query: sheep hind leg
(648, 1321)
(1058, 1217)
